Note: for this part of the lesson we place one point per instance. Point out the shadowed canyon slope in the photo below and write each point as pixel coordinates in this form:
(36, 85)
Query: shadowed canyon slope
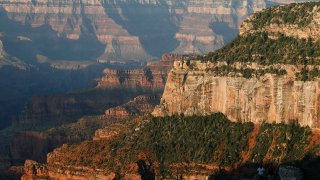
(269, 73)
(124, 30)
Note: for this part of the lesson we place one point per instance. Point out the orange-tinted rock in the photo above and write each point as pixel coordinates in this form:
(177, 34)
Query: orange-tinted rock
(270, 98)
(153, 76)
(34, 169)
(140, 105)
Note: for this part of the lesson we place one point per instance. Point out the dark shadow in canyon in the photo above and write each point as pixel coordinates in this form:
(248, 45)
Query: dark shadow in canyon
(223, 29)
(17, 86)
(45, 41)
(24, 42)
(153, 24)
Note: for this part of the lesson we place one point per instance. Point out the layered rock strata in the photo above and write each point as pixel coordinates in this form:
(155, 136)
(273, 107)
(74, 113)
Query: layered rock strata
(153, 76)
(251, 80)
(196, 90)
(74, 18)
(185, 26)
(140, 105)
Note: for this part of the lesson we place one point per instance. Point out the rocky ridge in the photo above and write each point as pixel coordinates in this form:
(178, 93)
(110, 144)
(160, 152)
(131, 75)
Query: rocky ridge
(248, 88)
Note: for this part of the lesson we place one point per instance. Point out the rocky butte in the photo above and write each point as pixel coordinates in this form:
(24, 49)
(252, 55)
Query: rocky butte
(270, 73)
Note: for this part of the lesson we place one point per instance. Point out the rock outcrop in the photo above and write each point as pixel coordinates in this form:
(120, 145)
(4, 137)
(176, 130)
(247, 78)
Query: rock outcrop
(256, 90)
(140, 105)
(270, 98)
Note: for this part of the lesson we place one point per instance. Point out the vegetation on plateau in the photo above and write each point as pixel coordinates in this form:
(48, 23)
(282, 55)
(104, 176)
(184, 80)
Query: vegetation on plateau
(247, 72)
(262, 49)
(212, 139)
(300, 14)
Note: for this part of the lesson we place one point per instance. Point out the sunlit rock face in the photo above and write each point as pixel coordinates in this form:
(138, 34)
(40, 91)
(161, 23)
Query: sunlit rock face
(129, 30)
(271, 98)
(200, 87)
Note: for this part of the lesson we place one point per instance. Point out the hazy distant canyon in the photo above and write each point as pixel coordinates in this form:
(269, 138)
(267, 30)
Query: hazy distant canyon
(120, 30)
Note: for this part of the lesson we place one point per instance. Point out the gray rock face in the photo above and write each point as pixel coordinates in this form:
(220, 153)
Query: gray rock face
(6, 60)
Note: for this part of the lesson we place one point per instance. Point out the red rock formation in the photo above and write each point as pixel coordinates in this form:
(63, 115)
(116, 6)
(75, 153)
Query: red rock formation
(138, 106)
(153, 76)
(33, 169)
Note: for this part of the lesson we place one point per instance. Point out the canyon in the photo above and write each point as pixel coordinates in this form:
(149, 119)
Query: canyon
(62, 115)
(45, 42)
(108, 33)
(119, 33)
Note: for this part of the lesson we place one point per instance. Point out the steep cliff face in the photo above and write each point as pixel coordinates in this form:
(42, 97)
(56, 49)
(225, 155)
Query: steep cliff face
(270, 98)
(131, 30)
(252, 79)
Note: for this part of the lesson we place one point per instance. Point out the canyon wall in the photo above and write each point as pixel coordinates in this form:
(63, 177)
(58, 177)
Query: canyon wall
(127, 30)
(195, 90)
(252, 78)
(153, 76)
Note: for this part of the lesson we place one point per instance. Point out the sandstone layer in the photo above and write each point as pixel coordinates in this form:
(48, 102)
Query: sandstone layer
(246, 84)
(195, 90)
(141, 105)
(153, 76)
